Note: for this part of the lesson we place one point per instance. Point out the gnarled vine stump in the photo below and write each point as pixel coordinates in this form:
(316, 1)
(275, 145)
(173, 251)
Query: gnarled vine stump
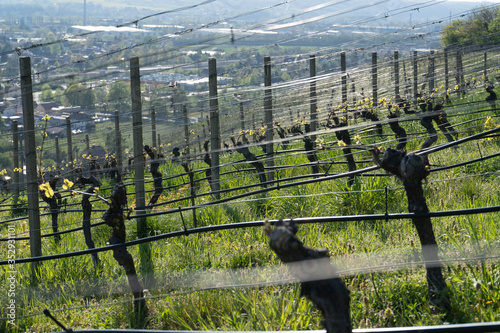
(114, 218)
(343, 136)
(321, 285)
(397, 129)
(412, 169)
(157, 176)
(252, 159)
(54, 203)
(87, 213)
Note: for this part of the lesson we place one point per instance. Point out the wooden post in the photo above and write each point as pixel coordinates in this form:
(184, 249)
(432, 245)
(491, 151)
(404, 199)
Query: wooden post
(446, 72)
(313, 98)
(118, 141)
(31, 166)
(268, 118)
(432, 72)
(58, 152)
(353, 93)
(415, 78)
(374, 79)
(485, 69)
(139, 163)
(22, 163)
(458, 73)
(87, 143)
(199, 143)
(69, 142)
(15, 150)
(214, 126)
(343, 70)
(159, 144)
(242, 116)
(186, 131)
(153, 128)
(396, 74)
(462, 77)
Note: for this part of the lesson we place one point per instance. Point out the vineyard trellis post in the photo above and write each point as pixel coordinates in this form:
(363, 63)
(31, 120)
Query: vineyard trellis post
(415, 78)
(159, 144)
(374, 79)
(446, 72)
(15, 150)
(396, 74)
(485, 69)
(214, 126)
(22, 162)
(87, 144)
(139, 164)
(313, 98)
(268, 118)
(343, 70)
(242, 116)
(31, 167)
(459, 73)
(153, 128)
(69, 142)
(186, 132)
(432, 72)
(58, 153)
(118, 140)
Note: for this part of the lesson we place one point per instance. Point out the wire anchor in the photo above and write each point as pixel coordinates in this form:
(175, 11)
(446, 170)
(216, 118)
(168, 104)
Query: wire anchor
(48, 314)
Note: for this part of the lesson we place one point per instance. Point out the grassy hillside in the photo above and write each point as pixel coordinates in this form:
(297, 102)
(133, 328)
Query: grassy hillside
(231, 280)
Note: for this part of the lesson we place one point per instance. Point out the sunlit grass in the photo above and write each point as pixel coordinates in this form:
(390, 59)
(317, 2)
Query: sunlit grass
(82, 296)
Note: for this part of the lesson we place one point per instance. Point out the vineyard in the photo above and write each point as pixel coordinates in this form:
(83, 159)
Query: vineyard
(390, 166)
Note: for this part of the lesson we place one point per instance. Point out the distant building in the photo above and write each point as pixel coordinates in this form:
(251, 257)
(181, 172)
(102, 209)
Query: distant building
(98, 152)
(60, 132)
(26, 22)
(68, 110)
(54, 121)
(13, 91)
(14, 109)
(45, 108)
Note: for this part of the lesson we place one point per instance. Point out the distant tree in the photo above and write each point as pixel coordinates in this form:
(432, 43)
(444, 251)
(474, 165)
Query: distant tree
(251, 79)
(47, 94)
(12, 67)
(59, 96)
(88, 99)
(99, 94)
(75, 94)
(119, 96)
(4, 49)
(179, 97)
(285, 77)
(55, 48)
(479, 27)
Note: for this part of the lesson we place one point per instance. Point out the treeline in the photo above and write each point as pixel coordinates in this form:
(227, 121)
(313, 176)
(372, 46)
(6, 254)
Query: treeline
(482, 26)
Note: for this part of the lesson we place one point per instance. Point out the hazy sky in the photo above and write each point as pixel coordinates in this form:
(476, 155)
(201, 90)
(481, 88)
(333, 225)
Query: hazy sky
(478, 1)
